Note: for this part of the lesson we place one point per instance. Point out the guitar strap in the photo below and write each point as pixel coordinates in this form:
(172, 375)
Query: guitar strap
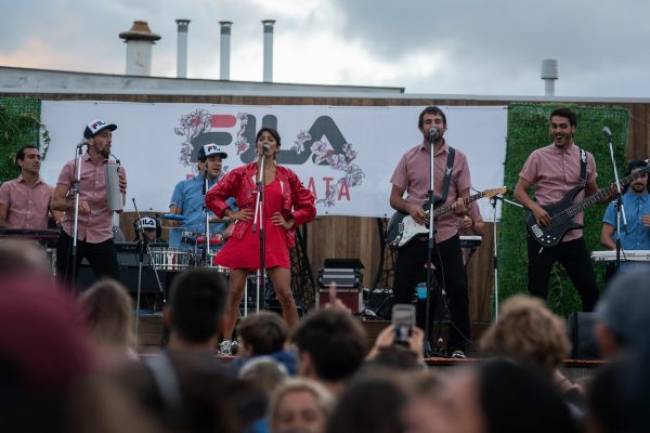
(448, 172)
(583, 167)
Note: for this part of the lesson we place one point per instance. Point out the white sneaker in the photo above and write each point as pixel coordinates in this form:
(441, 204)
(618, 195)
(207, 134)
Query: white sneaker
(225, 347)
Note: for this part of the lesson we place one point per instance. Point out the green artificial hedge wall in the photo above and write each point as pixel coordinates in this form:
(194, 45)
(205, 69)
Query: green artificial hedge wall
(528, 130)
(19, 126)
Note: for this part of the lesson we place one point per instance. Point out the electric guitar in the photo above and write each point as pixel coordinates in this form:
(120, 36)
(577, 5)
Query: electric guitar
(402, 227)
(563, 211)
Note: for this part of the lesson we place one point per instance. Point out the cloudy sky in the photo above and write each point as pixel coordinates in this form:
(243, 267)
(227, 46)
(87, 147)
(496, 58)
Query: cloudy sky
(427, 46)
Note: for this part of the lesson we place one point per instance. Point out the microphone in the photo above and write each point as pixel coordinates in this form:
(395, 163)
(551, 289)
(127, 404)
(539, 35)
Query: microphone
(607, 132)
(82, 143)
(266, 147)
(434, 134)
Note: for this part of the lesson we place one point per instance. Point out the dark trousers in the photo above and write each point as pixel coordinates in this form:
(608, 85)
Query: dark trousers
(410, 270)
(574, 257)
(102, 258)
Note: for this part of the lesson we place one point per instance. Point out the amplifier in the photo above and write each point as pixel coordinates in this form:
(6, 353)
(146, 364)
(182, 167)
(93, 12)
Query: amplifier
(351, 298)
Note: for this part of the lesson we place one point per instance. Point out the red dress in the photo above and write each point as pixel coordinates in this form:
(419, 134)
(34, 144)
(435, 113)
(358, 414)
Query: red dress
(285, 194)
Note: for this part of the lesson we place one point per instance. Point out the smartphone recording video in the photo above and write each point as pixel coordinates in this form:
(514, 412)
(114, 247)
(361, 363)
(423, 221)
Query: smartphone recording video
(403, 322)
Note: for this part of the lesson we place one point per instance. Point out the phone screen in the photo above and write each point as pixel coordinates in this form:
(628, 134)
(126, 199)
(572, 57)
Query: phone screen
(403, 322)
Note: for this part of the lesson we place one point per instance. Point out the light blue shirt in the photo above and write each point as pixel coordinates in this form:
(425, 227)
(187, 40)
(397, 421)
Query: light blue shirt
(188, 196)
(637, 236)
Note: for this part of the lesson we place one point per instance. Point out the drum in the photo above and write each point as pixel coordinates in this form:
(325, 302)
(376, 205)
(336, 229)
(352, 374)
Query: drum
(215, 267)
(170, 259)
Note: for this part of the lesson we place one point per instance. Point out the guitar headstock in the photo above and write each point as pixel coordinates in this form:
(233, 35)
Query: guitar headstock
(489, 193)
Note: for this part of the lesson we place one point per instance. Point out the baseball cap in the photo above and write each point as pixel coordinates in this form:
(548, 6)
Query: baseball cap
(211, 149)
(147, 223)
(626, 300)
(96, 126)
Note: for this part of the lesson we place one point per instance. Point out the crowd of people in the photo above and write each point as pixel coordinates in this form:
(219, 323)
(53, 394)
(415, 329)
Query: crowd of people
(73, 366)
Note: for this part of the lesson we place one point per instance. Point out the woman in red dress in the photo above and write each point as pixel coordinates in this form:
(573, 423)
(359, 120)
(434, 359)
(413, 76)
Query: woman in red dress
(287, 203)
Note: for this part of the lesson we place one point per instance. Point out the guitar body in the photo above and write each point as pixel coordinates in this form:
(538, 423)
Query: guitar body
(561, 223)
(402, 228)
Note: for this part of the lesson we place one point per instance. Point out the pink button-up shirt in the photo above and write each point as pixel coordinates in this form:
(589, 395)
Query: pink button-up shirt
(412, 174)
(554, 171)
(28, 205)
(97, 226)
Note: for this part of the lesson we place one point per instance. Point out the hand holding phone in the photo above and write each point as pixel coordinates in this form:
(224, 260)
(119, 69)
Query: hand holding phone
(403, 322)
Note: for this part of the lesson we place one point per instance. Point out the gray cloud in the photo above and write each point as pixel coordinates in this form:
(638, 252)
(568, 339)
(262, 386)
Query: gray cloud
(486, 47)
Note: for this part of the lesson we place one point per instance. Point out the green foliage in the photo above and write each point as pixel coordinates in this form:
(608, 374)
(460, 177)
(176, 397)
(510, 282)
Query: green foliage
(528, 130)
(19, 126)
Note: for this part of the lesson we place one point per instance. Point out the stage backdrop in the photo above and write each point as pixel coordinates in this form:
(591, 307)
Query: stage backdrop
(346, 155)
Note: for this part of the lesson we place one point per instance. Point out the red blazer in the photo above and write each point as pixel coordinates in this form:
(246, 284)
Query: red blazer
(297, 201)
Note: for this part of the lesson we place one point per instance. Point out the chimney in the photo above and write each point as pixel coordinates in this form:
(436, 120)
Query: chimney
(224, 50)
(139, 44)
(268, 50)
(549, 75)
(181, 48)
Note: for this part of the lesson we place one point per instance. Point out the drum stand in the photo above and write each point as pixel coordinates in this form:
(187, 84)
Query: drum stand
(142, 246)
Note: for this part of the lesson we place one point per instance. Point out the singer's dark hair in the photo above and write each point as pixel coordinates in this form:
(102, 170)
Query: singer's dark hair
(271, 131)
(566, 113)
(432, 109)
(20, 155)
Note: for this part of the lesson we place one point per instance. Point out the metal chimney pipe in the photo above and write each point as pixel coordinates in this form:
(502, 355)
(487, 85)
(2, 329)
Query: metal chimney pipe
(224, 50)
(268, 50)
(139, 44)
(549, 75)
(181, 48)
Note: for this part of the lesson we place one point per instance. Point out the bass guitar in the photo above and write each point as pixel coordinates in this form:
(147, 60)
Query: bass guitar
(563, 211)
(402, 227)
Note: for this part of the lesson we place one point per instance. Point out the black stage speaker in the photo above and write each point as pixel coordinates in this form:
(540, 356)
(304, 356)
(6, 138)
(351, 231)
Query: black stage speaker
(581, 335)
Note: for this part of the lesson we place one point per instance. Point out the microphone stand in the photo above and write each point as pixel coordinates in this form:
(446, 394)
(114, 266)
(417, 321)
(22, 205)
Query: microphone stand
(76, 187)
(620, 210)
(431, 242)
(258, 219)
(495, 256)
(206, 187)
(143, 245)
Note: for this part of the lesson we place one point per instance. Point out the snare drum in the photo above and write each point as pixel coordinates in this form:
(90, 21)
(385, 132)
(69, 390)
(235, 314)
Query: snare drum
(170, 259)
(215, 267)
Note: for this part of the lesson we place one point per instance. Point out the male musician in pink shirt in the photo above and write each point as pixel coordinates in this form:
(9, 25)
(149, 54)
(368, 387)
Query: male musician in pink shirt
(412, 176)
(95, 222)
(25, 201)
(554, 170)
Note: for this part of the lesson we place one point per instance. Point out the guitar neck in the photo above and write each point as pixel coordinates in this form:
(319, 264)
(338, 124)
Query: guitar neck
(601, 194)
(448, 207)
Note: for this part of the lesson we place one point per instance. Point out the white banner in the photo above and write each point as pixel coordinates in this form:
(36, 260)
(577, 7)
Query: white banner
(345, 155)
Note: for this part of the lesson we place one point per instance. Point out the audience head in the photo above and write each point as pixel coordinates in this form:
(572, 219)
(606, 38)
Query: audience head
(197, 299)
(300, 406)
(331, 345)
(528, 332)
(502, 397)
(44, 353)
(107, 310)
(265, 372)
(262, 333)
(18, 256)
(369, 405)
(625, 301)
